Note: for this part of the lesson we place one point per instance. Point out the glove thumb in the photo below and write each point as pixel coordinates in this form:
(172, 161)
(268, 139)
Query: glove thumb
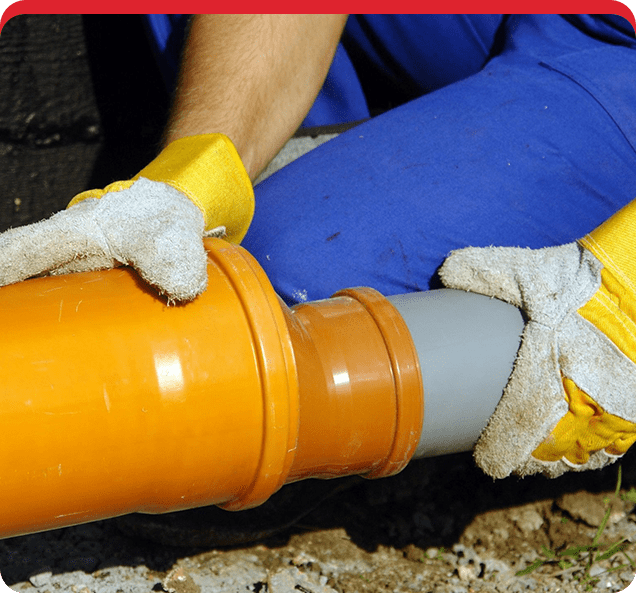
(490, 271)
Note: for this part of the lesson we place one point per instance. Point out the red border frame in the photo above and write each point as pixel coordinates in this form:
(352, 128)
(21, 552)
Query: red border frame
(456, 6)
(8, 11)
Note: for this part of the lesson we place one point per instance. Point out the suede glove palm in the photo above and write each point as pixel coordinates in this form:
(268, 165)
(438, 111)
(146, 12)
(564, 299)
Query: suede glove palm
(570, 402)
(154, 222)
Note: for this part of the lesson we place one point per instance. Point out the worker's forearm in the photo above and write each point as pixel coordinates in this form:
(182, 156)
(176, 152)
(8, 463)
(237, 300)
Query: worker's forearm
(253, 78)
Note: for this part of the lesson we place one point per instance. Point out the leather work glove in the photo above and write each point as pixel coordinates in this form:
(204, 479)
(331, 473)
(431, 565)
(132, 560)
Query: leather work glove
(154, 222)
(570, 402)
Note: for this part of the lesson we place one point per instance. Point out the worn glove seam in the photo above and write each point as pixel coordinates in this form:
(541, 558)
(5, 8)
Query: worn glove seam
(616, 312)
(612, 310)
(607, 260)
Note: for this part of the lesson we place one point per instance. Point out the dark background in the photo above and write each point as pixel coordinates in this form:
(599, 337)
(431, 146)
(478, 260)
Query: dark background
(82, 104)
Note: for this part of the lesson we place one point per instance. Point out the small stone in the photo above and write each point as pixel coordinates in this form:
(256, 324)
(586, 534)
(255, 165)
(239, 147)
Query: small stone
(527, 520)
(466, 573)
(41, 579)
(501, 533)
(590, 508)
(300, 559)
(179, 581)
(596, 569)
(281, 582)
(628, 577)
(414, 554)
(493, 565)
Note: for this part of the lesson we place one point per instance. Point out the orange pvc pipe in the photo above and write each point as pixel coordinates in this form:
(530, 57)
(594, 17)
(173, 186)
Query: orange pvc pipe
(113, 402)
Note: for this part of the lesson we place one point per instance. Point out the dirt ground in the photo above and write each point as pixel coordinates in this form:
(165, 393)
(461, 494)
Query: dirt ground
(439, 526)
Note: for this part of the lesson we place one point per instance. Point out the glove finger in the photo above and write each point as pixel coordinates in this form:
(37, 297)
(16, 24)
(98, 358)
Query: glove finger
(491, 271)
(531, 405)
(45, 246)
(176, 270)
(538, 280)
(157, 230)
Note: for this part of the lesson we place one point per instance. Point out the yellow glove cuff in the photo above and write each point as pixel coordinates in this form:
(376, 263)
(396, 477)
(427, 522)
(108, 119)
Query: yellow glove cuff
(209, 171)
(613, 308)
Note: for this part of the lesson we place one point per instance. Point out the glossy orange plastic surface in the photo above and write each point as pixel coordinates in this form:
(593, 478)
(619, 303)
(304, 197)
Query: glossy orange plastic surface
(112, 402)
(361, 406)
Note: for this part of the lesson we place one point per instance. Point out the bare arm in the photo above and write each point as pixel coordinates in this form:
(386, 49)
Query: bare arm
(252, 78)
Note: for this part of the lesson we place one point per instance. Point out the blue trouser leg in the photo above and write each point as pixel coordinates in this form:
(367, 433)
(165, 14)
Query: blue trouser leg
(536, 149)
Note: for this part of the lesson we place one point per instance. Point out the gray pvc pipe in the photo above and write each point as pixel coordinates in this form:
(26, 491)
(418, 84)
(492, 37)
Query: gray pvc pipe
(467, 345)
